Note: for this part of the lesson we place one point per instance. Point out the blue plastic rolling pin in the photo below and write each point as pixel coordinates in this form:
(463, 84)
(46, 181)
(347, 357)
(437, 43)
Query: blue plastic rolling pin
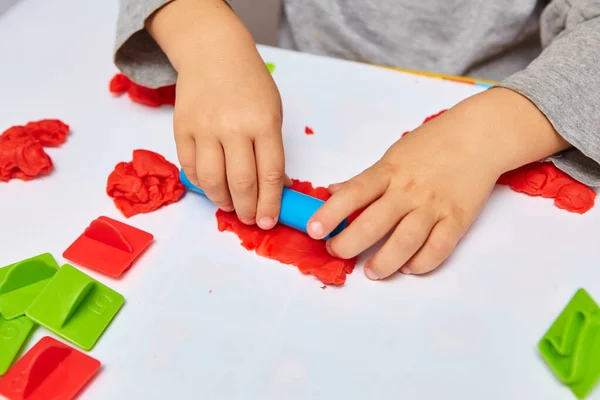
(296, 208)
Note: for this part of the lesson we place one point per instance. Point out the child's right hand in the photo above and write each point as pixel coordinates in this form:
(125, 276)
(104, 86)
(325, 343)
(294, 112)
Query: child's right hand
(228, 112)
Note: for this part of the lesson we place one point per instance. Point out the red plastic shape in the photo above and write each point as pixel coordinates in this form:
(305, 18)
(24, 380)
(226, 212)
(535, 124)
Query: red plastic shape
(50, 370)
(108, 246)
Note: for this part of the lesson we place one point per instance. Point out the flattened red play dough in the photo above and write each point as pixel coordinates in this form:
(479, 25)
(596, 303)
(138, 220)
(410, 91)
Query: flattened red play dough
(143, 185)
(22, 154)
(120, 84)
(289, 246)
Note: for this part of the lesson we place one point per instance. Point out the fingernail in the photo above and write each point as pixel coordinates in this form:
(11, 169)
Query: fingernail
(316, 228)
(406, 271)
(227, 208)
(248, 221)
(266, 222)
(370, 274)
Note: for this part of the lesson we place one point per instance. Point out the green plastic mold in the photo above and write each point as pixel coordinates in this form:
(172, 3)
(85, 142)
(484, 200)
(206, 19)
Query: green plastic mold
(13, 335)
(75, 307)
(571, 347)
(21, 282)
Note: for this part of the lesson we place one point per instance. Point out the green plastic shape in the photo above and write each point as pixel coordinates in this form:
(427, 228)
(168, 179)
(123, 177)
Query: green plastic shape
(75, 307)
(571, 347)
(270, 67)
(13, 335)
(22, 282)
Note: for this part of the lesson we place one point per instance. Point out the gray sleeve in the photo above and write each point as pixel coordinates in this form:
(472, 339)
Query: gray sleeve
(137, 54)
(564, 83)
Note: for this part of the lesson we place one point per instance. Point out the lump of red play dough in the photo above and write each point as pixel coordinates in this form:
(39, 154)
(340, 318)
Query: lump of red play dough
(290, 246)
(120, 84)
(22, 154)
(544, 179)
(308, 130)
(143, 185)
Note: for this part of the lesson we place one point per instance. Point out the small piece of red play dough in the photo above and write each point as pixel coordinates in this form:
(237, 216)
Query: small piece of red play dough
(290, 246)
(308, 130)
(50, 370)
(433, 116)
(143, 185)
(425, 121)
(120, 84)
(108, 246)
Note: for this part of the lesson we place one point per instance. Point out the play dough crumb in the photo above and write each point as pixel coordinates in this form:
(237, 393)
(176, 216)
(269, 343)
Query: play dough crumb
(308, 130)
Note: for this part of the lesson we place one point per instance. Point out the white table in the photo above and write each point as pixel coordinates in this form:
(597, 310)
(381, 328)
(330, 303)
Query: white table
(468, 331)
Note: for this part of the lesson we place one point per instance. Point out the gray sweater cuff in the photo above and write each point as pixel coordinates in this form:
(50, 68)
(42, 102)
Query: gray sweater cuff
(563, 83)
(136, 53)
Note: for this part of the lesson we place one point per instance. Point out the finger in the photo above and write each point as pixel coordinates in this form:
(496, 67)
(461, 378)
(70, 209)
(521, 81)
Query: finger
(287, 182)
(354, 194)
(442, 240)
(404, 242)
(186, 154)
(241, 178)
(210, 172)
(270, 165)
(368, 228)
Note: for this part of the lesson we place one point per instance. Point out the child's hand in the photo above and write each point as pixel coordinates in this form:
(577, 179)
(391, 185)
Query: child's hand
(430, 186)
(228, 135)
(227, 118)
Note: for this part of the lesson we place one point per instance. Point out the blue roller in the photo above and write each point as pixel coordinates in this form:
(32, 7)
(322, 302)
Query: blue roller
(296, 208)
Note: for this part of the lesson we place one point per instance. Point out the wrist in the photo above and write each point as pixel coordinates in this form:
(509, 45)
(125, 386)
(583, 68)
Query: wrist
(509, 128)
(197, 31)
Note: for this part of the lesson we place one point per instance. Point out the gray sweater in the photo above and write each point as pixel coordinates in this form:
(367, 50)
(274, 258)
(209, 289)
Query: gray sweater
(549, 51)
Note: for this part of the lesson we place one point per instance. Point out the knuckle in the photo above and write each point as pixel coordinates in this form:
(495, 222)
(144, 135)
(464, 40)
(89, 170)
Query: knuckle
(274, 178)
(244, 185)
(354, 189)
(369, 231)
(208, 182)
(407, 240)
(441, 247)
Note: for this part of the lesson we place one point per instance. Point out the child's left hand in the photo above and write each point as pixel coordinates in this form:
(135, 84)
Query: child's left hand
(430, 186)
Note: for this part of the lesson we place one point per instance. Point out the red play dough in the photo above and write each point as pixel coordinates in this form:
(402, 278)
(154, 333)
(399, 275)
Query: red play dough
(434, 116)
(149, 97)
(49, 132)
(21, 153)
(143, 185)
(544, 179)
(308, 130)
(290, 246)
